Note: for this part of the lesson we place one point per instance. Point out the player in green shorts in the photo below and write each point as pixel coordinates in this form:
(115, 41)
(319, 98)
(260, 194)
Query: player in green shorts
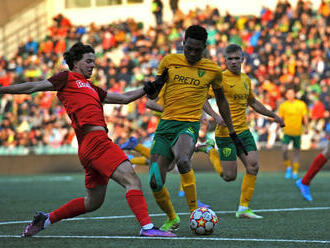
(237, 89)
(185, 92)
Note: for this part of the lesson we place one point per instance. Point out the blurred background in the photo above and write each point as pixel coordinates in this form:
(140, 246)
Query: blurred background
(286, 45)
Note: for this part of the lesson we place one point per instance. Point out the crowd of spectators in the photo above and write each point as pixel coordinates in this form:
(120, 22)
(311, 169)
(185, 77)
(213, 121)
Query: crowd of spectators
(284, 47)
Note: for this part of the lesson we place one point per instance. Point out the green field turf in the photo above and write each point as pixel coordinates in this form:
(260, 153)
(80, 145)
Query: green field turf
(289, 220)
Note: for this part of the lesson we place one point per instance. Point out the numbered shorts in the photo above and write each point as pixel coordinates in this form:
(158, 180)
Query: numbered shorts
(167, 134)
(296, 140)
(100, 157)
(227, 149)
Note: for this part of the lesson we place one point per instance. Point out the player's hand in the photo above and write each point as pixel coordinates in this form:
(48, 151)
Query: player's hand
(238, 143)
(161, 80)
(279, 120)
(218, 119)
(150, 89)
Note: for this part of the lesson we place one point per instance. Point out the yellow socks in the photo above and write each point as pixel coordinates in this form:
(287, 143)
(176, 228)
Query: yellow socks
(145, 151)
(163, 200)
(287, 163)
(215, 160)
(295, 168)
(139, 160)
(248, 186)
(189, 186)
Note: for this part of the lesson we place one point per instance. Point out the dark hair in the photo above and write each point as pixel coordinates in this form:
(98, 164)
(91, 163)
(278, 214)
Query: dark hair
(196, 32)
(231, 48)
(76, 52)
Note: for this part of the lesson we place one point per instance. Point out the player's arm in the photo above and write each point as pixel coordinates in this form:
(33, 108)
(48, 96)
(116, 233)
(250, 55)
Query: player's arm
(153, 105)
(27, 87)
(261, 109)
(125, 98)
(306, 122)
(225, 113)
(224, 108)
(209, 110)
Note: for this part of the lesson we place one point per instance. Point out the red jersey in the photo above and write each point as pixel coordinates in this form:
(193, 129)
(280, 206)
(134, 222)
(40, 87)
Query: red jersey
(81, 99)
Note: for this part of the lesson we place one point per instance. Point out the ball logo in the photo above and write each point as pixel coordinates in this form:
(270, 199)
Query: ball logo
(226, 151)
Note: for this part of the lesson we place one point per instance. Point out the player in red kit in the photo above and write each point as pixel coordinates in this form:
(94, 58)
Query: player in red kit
(99, 156)
(319, 161)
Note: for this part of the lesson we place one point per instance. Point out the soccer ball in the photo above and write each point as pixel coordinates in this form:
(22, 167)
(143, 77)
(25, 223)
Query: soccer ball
(202, 221)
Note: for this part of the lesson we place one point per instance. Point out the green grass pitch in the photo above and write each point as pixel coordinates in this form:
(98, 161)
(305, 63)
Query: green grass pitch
(289, 220)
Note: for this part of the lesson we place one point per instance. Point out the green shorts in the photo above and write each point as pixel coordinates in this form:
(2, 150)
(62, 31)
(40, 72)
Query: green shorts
(227, 149)
(167, 134)
(296, 140)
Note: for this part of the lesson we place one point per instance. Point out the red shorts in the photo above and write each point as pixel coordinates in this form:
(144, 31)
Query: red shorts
(100, 157)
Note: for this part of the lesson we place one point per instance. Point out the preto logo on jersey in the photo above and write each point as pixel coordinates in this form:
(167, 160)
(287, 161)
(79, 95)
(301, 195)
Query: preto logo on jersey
(187, 80)
(240, 96)
(201, 72)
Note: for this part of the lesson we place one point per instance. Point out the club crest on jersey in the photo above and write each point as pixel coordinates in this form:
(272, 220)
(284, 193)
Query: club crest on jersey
(201, 72)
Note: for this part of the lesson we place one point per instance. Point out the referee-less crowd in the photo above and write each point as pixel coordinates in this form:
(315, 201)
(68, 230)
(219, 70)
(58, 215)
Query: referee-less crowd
(284, 47)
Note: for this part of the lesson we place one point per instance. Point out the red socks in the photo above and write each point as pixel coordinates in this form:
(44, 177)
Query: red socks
(73, 208)
(317, 164)
(138, 205)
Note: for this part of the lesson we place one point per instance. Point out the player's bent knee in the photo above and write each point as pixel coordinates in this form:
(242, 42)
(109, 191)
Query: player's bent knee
(183, 165)
(229, 178)
(155, 178)
(93, 204)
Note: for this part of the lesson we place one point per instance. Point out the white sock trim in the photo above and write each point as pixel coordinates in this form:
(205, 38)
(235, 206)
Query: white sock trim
(148, 226)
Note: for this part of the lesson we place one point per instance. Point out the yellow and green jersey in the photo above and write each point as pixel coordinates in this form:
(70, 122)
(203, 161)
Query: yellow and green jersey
(186, 89)
(237, 89)
(293, 113)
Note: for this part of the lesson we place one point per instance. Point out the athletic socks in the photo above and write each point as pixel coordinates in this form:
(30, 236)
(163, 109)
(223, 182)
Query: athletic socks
(189, 186)
(72, 209)
(139, 160)
(215, 160)
(145, 151)
(138, 205)
(317, 164)
(163, 200)
(247, 190)
(295, 167)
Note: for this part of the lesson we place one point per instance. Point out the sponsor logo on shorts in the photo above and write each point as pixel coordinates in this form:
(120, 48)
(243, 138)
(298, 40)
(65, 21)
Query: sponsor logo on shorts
(190, 130)
(226, 151)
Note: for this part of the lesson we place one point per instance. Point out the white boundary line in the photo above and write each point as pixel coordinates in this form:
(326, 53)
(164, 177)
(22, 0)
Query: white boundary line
(157, 215)
(174, 238)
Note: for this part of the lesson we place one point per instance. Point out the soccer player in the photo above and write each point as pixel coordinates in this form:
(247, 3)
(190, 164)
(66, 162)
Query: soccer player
(99, 156)
(294, 113)
(133, 144)
(185, 93)
(237, 89)
(318, 162)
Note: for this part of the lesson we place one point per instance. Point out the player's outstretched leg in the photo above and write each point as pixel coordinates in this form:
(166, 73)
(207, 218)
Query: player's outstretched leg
(304, 190)
(36, 225)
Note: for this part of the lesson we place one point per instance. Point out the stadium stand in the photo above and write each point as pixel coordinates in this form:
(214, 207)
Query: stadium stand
(286, 46)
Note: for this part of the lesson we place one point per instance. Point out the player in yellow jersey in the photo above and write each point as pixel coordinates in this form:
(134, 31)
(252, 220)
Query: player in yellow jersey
(237, 89)
(133, 144)
(189, 78)
(294, 113)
